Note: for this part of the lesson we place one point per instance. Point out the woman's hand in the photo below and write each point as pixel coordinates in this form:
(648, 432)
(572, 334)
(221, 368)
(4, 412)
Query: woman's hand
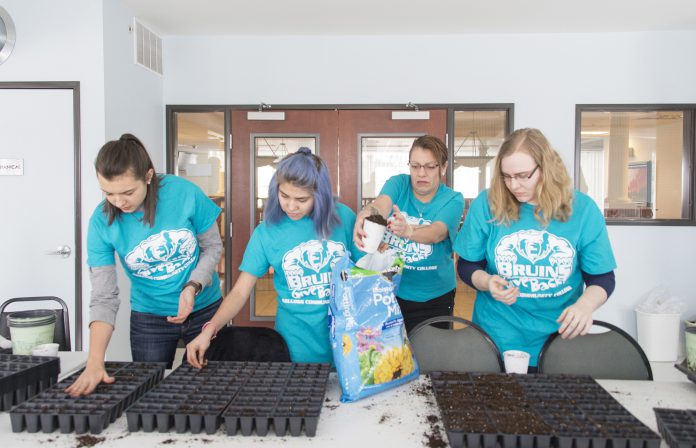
(89, 380)
(576, 320)
(502, 291)
(186, 299)
(195, 350)
(358, 232)
(398, 225)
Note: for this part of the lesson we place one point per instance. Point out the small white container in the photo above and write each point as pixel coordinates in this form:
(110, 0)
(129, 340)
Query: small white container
(45, 349)
(516, 361)
(374, 234)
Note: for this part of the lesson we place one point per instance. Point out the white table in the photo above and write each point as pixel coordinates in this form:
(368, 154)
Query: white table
(398, 417)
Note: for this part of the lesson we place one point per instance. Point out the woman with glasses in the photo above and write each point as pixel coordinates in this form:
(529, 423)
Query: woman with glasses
(424, 216)
(536, 250)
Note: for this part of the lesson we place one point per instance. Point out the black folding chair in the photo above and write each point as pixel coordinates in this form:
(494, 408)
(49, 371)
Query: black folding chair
(613, 354)
(258, 344)
(468, 349)
(61, 334)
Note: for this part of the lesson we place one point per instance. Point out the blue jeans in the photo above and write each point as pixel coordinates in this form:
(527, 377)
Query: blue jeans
(153, 339)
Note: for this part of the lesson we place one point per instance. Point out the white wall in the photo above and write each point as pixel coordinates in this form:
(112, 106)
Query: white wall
(62, 41)
(133, 104)
(88, 41)
(545, 76)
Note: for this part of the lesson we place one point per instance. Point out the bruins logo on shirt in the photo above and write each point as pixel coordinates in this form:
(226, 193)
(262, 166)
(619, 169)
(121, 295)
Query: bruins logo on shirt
(307, 268)
(534, 260)
(410, 251)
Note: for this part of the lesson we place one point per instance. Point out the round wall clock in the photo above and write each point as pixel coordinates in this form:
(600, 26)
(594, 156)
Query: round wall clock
(7, 35)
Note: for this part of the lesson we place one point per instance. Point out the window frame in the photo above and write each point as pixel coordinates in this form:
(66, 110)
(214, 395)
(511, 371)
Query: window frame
(688, 173)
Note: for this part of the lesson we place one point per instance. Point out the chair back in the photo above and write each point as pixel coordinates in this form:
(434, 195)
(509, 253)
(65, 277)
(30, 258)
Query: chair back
(61, 334)
(468, 349)
(613, 354)
(258, 344)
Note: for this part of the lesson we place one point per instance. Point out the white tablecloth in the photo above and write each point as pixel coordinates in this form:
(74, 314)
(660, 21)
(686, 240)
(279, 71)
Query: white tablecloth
(396, 418)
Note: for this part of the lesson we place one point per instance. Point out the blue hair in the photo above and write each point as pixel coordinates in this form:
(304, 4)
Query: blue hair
(305, 170)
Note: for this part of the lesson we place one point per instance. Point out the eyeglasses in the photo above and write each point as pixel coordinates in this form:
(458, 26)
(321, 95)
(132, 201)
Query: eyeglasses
(430, 167)
(521, 177)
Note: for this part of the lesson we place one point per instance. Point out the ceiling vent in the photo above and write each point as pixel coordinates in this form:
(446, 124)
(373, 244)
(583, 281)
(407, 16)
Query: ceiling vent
(148, 47)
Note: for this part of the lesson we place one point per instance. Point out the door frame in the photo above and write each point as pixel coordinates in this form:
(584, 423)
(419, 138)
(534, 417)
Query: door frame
(77, 185)
(358, 145)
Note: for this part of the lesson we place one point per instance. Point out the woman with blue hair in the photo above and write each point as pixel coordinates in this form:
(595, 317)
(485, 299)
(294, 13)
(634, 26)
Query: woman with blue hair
(304, 233)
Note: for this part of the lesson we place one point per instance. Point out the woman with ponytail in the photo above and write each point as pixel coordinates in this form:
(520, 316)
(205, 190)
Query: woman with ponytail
(163, 229)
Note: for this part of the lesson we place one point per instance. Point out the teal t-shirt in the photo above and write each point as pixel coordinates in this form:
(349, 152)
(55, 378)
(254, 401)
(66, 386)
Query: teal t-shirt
(302, 265)
(158, 260)
(429, 268)
(545, 263)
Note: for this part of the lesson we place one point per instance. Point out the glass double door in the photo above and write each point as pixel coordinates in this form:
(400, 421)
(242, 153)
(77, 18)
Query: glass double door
(362, 148)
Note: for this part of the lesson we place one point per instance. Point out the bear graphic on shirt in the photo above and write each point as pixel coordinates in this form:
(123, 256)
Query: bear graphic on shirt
(163, 255)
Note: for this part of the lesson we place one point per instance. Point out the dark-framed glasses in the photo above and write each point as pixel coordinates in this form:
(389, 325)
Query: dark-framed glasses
(520, 177)
(429, 167)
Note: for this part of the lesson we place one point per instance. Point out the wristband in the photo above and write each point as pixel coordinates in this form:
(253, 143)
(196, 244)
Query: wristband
(215, 330)
(197, 287)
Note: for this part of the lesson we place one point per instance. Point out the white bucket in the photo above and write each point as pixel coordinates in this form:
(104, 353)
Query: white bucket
(658, 335)
(30, 328)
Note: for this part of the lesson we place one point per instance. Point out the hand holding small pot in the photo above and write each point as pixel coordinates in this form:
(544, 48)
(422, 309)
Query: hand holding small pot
(374, 227)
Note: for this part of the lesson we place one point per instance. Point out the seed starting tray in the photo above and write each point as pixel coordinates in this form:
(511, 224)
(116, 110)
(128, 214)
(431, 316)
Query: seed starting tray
(678, 427)
(53, 408)
(248, 396)
(535, 411)
(22, 377)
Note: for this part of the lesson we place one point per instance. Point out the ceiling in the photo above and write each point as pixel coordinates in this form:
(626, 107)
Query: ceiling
(394, 17)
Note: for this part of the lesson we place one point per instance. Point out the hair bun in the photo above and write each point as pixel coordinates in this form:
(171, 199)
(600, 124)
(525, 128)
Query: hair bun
(304, 150)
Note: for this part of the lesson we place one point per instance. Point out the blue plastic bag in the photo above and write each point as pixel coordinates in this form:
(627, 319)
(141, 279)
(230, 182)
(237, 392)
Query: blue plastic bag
(370, 348)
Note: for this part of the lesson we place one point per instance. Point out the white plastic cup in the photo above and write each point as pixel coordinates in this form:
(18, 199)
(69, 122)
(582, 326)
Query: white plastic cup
(46, 349)
(374, 234)
(658, 335)
(516, 361)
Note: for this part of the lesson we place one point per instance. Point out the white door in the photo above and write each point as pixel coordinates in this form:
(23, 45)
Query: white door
(37, 201)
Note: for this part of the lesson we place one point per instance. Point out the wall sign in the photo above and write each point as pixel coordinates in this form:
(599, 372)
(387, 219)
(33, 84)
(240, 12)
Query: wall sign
(11, 167)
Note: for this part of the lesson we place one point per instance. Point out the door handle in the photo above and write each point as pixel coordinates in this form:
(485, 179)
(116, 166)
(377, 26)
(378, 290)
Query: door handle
(63, 251)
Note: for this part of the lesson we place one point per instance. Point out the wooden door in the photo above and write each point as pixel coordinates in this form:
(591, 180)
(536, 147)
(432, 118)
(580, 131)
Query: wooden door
(320, 129)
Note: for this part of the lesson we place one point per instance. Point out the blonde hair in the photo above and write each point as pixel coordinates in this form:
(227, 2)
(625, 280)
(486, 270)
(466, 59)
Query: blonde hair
(554, 191)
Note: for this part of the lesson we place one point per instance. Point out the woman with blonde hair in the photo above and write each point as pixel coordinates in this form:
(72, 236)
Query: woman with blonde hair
(536, 250)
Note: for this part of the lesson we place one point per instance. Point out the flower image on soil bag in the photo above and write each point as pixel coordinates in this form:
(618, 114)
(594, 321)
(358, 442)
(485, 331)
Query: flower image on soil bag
(368, 336)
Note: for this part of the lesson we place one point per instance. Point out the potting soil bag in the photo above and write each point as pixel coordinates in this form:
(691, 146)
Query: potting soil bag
(370, 348)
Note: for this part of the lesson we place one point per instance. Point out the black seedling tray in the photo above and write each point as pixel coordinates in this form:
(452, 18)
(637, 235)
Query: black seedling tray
(678, 427)
(22, 377)
(247, 395)
(534, 411)
(689, 373)
(53, 408)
